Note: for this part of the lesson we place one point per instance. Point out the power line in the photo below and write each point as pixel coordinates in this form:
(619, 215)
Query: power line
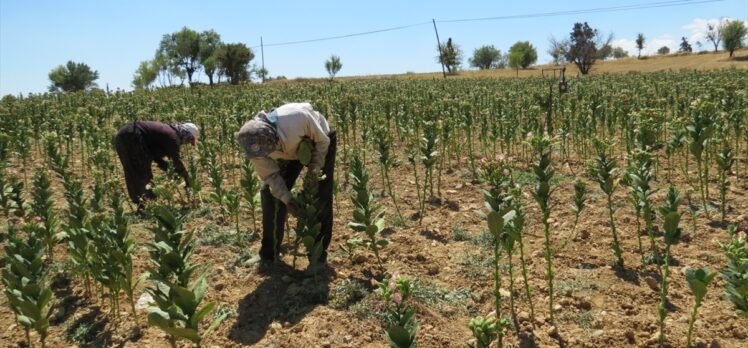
(345, 36)
(620, 8)
(592, 10)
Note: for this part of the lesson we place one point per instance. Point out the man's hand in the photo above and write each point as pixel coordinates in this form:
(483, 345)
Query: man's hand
(293, 209)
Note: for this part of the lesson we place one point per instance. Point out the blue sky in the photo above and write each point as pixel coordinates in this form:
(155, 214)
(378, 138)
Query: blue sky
(113, 37)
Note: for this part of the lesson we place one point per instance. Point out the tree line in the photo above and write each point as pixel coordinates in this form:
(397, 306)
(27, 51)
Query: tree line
(182, 54)
(584, 46)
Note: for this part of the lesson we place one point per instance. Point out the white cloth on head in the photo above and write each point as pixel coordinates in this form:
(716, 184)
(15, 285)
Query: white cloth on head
(295, 121)
(192, 129)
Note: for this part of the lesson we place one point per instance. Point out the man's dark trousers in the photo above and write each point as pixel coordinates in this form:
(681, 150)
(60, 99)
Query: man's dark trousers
(136, 162)
(274, 210)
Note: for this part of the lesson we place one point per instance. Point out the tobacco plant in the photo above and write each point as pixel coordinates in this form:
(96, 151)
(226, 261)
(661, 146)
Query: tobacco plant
(24, 279)
(42, 206)
(387, 160)
(250, 186)
(400, 316)
(498, 202)
(639, 178)
(700, 129)
(698, 281)
(672, 232)
(484, 330)
(735, 272)
(605, 171)
(429, 156)
(179, 307)
(308, 226)
(544, 172)
(725, 160)
(577, 207)
(368, 215)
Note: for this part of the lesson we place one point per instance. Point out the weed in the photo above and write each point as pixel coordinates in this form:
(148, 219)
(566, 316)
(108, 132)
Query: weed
(460, 233)
(346, 294)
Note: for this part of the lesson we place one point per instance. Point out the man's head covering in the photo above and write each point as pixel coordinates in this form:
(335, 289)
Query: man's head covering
(258, 138)
(188, 132)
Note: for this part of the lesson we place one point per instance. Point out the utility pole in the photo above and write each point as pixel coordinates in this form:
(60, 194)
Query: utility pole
(262, 53)
(439, 45)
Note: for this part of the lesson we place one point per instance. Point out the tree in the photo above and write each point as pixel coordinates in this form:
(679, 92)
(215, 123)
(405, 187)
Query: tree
(583, 45)
(450, 55)
(333, 66)
(557, 50)
(619, 52)
(182, 50)
(486, 57)
(72, 77)
(233, 61)
(714, 33)
(663, 50)
(146, 74)
(732, 36)
(209, 43)
(263, 74)
(605, 52)
(639, 44)
(522, 54)
(684, 45)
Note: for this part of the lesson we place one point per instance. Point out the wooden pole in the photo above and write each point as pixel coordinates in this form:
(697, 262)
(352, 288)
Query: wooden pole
(262, 54)
(439, 45)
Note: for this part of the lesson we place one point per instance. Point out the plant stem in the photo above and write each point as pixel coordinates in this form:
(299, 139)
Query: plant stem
(392, 194)
(701, 186)
(549, 263)
(663, 295)
(690, 324)
(616, 246)
(496, 289)
(638, 235)
(511, 292)
(524, 278)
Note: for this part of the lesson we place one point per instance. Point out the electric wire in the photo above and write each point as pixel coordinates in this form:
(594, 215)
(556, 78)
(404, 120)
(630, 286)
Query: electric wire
(620, 8)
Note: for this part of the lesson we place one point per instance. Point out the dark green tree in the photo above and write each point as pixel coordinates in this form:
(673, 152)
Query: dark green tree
(450, 55)
(684, 45)
(663, 50)
(233, 61)
(209, 43)
(583, 44)
(605, 52)
(182, 50)
(733, 35)
(333, 66)
(522, 54)
(639, 44)
(72, 77)
(146, 74)
(619, 52)
(486, 57)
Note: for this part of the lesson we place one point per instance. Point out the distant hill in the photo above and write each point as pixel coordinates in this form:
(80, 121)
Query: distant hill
(672, 62)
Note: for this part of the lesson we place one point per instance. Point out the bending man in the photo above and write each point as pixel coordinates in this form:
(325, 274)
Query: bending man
(140, 143)
(271, 142)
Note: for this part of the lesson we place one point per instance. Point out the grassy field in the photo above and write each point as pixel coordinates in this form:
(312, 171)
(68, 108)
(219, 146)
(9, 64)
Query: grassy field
(705, 61)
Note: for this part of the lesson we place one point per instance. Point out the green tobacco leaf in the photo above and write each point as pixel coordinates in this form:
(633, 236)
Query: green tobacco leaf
(399, 337)
(495, 223)
(199, 315)
(305, 151)
(672, 219)
(24, 320)
(308, 242)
